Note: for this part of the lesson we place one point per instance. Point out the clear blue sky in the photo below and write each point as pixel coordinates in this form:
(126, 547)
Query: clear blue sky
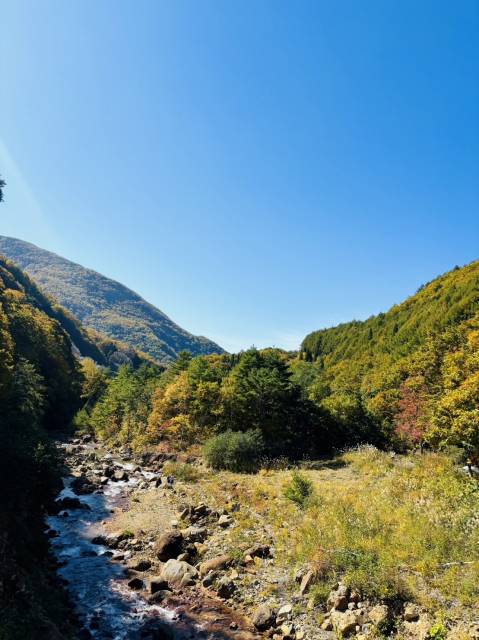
(256, 169)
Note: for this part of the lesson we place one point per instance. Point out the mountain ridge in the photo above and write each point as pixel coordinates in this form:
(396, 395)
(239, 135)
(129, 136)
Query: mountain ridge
(104, 304)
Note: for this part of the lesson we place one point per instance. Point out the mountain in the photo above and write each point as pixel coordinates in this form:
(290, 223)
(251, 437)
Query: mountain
(412, 372)
(87, 342)
(104, 304)
(447, 300)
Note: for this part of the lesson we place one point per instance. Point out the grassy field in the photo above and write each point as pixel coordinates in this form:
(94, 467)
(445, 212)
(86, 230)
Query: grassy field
(401, 528)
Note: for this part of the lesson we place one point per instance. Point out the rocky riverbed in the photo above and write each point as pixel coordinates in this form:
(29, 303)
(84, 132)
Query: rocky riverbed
(117, 594)
(146, 556)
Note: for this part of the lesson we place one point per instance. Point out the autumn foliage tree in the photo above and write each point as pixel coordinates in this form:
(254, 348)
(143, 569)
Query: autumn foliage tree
(410, 417)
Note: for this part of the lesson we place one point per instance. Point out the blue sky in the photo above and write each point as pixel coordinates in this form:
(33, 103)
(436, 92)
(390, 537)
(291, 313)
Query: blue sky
(256, 169)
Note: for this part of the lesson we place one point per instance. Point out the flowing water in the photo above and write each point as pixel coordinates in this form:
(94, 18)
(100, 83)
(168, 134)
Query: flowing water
(97, 584)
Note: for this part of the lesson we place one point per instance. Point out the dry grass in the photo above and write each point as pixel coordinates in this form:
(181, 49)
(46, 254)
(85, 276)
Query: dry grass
(387, 526)
(149, 514)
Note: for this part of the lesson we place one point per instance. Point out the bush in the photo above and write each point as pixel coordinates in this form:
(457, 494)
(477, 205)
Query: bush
(235, 450)
(437, 632)
(182, 471)
(299, 490)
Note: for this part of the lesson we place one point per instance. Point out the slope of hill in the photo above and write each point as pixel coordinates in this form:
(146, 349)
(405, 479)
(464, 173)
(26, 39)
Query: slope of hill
(105, 305)
(40, 387)
(448, 299)
(411, 373)
(89, 343)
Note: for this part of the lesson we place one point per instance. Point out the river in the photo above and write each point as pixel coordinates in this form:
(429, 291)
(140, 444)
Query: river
(97, 583)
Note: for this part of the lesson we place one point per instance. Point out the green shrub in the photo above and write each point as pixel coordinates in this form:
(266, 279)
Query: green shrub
(126, 535)
(437, 632)
(234, 450)
(299, 490)
(182, 471)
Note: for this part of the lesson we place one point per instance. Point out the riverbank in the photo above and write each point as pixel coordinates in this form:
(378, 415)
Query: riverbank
(115, 592)
(229, 556)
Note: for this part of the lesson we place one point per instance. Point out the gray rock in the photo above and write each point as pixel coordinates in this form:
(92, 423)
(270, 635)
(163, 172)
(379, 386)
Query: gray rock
(195, 534)
(225, 521)
(139, 564)
(284, 613)
(306, 582)
(178, 573)
(263, 617)
(120, 475)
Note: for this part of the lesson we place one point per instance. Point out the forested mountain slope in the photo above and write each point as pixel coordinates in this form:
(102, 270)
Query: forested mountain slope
(414, 369)
(40, 386)
(89, 343)
(447, 300)
(105, 305)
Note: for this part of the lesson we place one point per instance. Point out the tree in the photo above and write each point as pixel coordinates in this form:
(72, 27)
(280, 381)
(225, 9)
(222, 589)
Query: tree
(259, 393)
(3, 184)
(410, 417)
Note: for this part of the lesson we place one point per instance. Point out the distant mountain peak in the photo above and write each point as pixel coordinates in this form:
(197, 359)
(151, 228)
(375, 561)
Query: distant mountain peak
(105, 304)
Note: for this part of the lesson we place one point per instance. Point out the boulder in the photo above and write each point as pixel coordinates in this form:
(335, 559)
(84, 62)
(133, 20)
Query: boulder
(336, 595)
(379, 614)
(158, 596)
(263, 617)
(82, 485)
(284, 613)
(169, 545)
(120, 475)
(340, 603)
(306, 582)
(136, 583)
(71, 503)
(195, 534)
(225, 521)
(343, 623)
(104, 540)
(178, 573)
(139, 564)
(287, 631)
(158, 584)
(258, 551)
(225, 588)
(215, 564)
(411, 612)
(327, 625)
(209, 579)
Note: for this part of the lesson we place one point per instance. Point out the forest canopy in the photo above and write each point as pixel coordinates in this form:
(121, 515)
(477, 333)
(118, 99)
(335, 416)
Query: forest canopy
(405, 378)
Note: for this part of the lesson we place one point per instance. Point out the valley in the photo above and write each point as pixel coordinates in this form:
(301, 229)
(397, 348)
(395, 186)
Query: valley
(312, 495)
(153, 546)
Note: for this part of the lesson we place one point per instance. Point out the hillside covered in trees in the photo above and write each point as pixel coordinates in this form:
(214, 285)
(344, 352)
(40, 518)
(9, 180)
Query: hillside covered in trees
(105, 305)
(412, 372)
(87, 342)
(402, 379)
(40, 385)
